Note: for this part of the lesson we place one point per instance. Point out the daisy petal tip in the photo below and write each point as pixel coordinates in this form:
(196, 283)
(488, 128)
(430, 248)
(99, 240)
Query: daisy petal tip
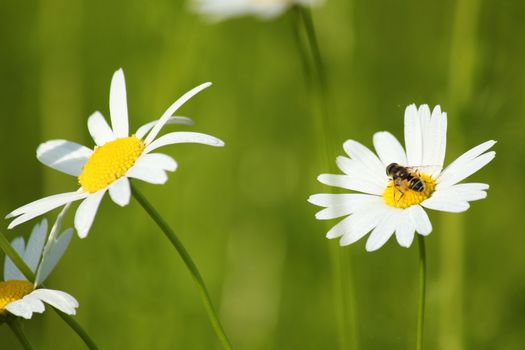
(118, 73)
(320, 216)
(311, 199)
(343, 243)
(82, 233)
(411, 108)
(11, 225)
(405, 244)
(379, 134)
(426, 232)
(322, 178)
(370, 248)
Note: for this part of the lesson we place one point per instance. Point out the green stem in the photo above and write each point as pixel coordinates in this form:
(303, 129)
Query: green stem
(78, 329)
(304, 54)
(15, 258)
(17, 330)
(309, 27)
(26, 271)
(197, 278)
(422, 288)
(341, 262)
(306, 21)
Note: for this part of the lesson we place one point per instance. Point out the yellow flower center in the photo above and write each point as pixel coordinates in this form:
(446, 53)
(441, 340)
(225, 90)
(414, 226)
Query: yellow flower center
(401, 196)
(12, 291)
(110, 162)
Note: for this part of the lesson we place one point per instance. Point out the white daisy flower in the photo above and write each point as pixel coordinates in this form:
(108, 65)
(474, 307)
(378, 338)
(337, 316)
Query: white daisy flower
(20, 297)
(394, 204)
(116, 158)
(218, 10)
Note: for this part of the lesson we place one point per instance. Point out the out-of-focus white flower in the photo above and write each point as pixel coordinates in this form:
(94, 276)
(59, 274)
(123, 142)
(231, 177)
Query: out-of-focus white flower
(218, 10)
(22, 298)
(394, 204)
(116, 158)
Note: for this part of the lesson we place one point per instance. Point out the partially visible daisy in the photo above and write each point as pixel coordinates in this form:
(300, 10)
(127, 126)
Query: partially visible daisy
(22, 298)
(116, 158)
(385, 208)
(219, 10)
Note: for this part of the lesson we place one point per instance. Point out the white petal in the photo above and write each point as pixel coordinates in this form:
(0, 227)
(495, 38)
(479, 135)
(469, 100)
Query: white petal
(413, 136)
(34, 303)
(384, 230)
(455, 198)
(405, 230)
(183, 137)
(351, 183)
(43, 205)
(143, 130)
(389, 149)
(435, 141)
(424, 116)
(172, 109)
(152, 175)
(338, 229)
(118, 105)
(120, 191)
(53, 256)
(464, 192)
(358, 170)
(65, 156)
(461, 171)
(362, 154)
(58, 299)
(337, 199)
(99, 129)
(360, 223)
(420, 220)
(21, 308)
(441, 204)
(86, 212)
(158, 161)
(333, 212)
(464, 159)
(341, 204)
(11, 272)
(424, 121)
(33, 251)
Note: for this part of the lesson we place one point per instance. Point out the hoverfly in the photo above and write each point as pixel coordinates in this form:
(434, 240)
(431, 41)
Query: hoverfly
(399, 174)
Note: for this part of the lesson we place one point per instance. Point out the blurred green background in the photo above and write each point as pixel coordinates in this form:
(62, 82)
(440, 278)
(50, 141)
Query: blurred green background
(242, 210)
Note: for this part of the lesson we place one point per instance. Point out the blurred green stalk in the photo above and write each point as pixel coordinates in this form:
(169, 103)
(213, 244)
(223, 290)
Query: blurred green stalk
(17, 330)
(312, 61)
(26, 271)
(188, 261)
(422, 290)
(460, 79)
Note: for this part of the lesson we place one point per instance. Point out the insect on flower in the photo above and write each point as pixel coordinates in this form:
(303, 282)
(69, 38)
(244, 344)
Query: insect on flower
(390, 188)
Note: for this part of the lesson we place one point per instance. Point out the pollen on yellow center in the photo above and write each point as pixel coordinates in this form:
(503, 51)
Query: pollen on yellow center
(12, 291)
(110, 162)
(403, 197)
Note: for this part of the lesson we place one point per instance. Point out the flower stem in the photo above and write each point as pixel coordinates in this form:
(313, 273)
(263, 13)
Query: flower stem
(188, 261)
(422, 288)
(319, 75)
(26, 271)
(315, 76)
(17, 330)
(78, 329)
